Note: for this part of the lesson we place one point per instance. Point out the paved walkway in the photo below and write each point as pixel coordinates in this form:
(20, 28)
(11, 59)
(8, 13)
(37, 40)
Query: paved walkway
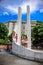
(8, 59)
(3, 52)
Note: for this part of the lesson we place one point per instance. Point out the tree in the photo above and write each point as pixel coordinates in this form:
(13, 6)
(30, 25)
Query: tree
(3, 31)
(37, 35)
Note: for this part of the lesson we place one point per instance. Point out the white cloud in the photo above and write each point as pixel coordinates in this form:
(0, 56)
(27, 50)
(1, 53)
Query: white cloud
(33, 6)
(41, 2)
(41, 10)
(12, 5)
(12, 9)
(5, 13)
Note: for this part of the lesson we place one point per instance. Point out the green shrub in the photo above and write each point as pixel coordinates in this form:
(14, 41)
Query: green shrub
(6, 41)
(2, 41)
(3, 31)
(24, 35)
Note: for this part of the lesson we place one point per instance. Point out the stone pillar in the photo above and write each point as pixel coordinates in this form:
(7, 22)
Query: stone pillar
(28, 27)
(19, 24)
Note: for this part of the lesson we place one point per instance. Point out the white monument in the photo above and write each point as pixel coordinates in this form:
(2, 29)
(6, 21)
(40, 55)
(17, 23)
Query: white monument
(18, 26)
(23, 51)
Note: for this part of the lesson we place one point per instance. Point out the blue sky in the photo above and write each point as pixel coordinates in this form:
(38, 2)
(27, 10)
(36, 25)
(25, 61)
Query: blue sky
(9, 9)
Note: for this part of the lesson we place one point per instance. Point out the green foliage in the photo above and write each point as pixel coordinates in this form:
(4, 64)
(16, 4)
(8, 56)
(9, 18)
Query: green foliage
(3, 31)
(38, 22)
(1, 41)
(4, 34)
(6, 41)
(37, 34)
(23, 35)
(10, 37)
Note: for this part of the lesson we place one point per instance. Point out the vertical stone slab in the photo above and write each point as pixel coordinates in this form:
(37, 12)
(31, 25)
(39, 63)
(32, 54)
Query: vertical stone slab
(28, 27)
(19, 24)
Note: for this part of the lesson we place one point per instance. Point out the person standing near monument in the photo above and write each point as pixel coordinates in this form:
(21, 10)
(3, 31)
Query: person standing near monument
(15, 37)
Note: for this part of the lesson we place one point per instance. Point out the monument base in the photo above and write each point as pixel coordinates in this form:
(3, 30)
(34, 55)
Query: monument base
(27, 53)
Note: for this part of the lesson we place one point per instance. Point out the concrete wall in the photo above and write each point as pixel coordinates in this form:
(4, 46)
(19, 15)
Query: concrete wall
(16, 28)
(10, 27)
(27, 53)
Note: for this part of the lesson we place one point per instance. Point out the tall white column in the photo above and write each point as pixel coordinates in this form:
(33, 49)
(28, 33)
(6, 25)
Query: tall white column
(19, 24)
(28, 27)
